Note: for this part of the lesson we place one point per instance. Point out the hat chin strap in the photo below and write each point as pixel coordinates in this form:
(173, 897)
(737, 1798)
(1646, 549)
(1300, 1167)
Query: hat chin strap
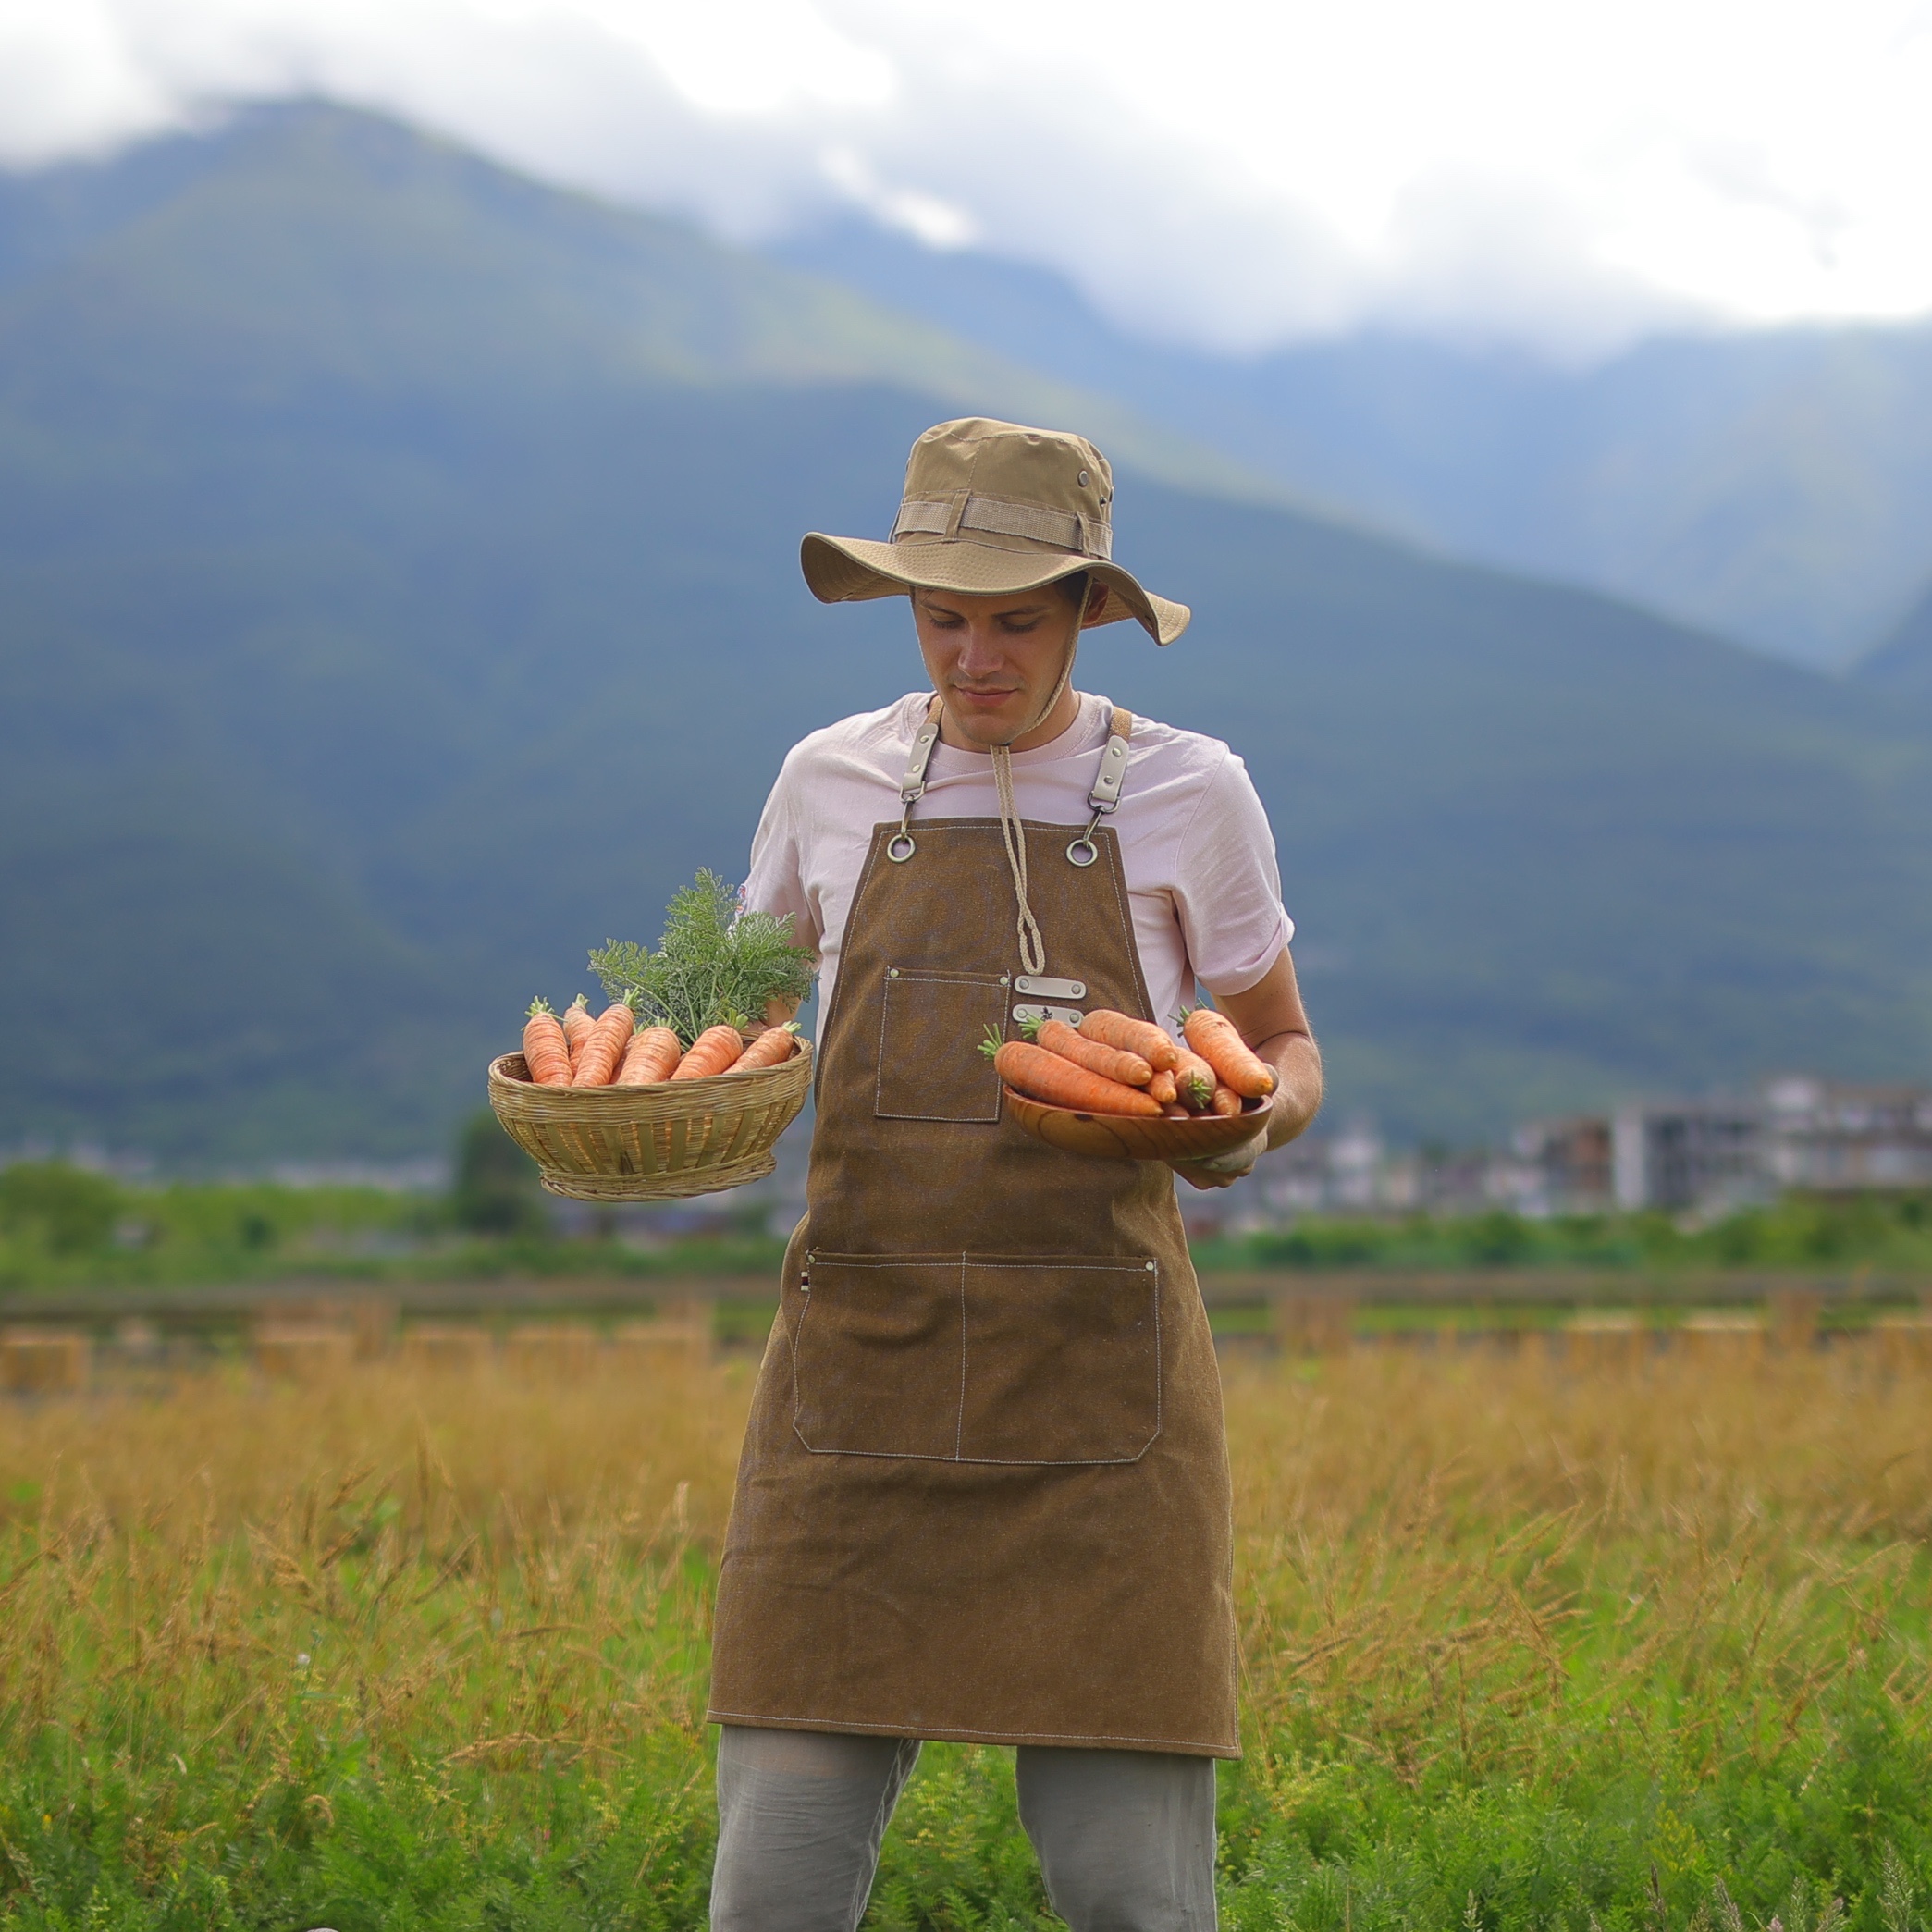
(1033, 948)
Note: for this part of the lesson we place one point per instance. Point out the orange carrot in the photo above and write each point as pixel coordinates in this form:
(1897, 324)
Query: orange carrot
(1176, 1112)
(1046, 1076)
(1226, 1101)
(1162, 1088)
(1195, 1083)
(649, 1058)
(772, 1047)
(1132, 1036)
(577, 1024)
(1110, 1063)
(1214, 1036)
(545, 1052)
(604, 1046)
(715, 1051)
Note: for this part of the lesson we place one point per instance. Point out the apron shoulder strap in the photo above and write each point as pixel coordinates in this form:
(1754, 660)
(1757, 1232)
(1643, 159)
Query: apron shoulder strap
(1107, 780)
(912, 787)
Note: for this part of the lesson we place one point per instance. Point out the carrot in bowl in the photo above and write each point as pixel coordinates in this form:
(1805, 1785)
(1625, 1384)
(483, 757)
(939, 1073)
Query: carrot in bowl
(715, 1051)
(1212, 1036)
(772, 1048)
(1195, 1083)
(653, 1053)
(1162, 1088)
(1042, 1075)
(1132, 1036)
(546, 1052)
(1113, 1063)
(1226, 1101)
(604, 1046)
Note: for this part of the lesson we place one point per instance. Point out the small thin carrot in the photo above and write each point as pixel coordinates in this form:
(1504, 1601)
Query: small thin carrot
(1119, 1029)
(546, 1052)
(649, 1058)
(1046, 1076)
(577, 1024)
(1215, 1036)
(772, 1048)
(1194, 1083)
(1110, 1063)
(1160, 1088)
(604, 1046)
(1226, 1101)
(715, 1051)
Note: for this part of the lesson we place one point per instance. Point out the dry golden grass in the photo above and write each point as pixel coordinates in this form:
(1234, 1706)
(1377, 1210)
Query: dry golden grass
(1432, 1549)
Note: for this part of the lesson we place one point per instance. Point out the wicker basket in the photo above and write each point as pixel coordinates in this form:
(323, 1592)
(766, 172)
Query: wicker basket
(662, 1142)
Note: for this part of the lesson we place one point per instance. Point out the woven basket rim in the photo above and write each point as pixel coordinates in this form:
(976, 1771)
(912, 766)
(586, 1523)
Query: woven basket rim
(709, 1083)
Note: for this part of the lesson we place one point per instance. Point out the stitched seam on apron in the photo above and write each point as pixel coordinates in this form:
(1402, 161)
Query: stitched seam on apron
(841, 989)
(714, 1716)
(1114, 879)
(934, 976)
(1100, 1264)
(1160, 1380)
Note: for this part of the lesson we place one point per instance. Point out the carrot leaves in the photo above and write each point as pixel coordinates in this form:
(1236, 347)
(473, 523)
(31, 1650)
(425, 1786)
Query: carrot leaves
(715, 966)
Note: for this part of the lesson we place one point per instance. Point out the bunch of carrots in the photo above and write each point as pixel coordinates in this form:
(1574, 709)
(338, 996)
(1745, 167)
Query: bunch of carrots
(1113, 1063)
(615, 1050)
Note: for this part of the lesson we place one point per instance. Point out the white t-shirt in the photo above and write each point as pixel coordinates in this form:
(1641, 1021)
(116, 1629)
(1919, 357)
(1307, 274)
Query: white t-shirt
(1199, 856)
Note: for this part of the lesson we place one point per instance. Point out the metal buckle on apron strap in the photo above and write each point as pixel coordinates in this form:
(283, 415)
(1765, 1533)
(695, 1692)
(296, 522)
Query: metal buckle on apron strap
(912, 787)
(1024, 1012)
(1100, 801)
(1105, 794)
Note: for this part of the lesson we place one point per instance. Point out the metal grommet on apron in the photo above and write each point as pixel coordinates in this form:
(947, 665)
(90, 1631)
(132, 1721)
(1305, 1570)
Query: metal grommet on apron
(984, 1491)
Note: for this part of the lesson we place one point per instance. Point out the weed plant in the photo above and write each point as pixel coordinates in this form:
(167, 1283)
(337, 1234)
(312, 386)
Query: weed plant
(1523, 1646)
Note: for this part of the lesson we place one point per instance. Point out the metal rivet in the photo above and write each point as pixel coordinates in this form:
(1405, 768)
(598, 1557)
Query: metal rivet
(1084, 479)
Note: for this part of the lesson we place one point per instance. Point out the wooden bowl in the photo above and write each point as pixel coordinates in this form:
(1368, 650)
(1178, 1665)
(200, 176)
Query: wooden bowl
(1122, 1137)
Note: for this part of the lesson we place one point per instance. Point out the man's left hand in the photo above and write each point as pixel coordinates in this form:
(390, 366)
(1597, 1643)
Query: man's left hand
(1222, 1170)
(1269, 1016)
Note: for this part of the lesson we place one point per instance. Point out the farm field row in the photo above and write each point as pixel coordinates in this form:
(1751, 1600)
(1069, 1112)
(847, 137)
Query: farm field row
(398, 1647)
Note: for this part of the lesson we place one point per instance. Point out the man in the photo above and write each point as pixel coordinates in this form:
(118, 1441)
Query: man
(984, 1490)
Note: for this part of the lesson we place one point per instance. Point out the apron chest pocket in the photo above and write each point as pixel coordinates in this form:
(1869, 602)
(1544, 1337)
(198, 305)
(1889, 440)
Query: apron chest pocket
(979, 1358)
(930, 1025)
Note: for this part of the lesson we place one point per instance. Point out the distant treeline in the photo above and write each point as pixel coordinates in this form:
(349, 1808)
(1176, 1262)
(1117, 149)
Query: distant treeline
(66, 1226)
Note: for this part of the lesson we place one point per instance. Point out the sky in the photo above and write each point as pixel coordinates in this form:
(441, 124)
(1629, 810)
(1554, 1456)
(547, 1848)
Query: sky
(1229, 174)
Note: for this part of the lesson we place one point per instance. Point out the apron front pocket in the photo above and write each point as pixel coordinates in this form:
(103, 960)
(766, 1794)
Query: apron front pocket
(979, 1358)
(931, 1025)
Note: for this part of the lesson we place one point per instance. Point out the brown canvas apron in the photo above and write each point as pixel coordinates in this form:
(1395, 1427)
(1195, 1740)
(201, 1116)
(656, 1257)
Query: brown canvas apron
(984, 1490)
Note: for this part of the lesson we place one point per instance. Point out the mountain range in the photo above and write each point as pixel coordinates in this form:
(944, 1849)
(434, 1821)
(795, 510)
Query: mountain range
(398, 594)
(1774, 485)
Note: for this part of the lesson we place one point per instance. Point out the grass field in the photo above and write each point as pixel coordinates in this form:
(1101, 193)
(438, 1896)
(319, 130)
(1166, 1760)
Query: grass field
(1526, 1644)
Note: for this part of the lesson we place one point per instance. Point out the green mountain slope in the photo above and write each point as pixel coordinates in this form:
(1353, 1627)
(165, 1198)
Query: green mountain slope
(399, 594)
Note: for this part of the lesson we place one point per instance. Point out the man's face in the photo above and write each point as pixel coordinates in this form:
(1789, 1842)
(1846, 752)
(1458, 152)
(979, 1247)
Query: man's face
(995, 660)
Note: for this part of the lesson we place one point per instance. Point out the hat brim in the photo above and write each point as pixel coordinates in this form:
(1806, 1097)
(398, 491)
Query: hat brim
(848, 570)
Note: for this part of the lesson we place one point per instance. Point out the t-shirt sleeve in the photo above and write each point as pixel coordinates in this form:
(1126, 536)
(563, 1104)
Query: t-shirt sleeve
(776, 883)
(1228, 892)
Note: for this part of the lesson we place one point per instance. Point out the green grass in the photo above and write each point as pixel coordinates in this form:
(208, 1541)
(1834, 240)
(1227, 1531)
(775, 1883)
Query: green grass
(1522, 1649)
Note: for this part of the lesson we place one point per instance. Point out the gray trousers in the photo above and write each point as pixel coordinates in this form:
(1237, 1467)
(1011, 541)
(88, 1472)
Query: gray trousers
(1126, 1839)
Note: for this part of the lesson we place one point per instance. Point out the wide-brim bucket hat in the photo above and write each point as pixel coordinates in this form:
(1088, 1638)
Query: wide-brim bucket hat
(990, 509)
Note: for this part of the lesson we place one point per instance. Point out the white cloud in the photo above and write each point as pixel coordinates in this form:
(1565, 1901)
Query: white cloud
(1236, 172)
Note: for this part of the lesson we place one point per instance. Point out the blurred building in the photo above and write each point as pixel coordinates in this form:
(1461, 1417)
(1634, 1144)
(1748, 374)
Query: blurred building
(1571, 1163)
(1708, 1155)
(1830, 1137)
